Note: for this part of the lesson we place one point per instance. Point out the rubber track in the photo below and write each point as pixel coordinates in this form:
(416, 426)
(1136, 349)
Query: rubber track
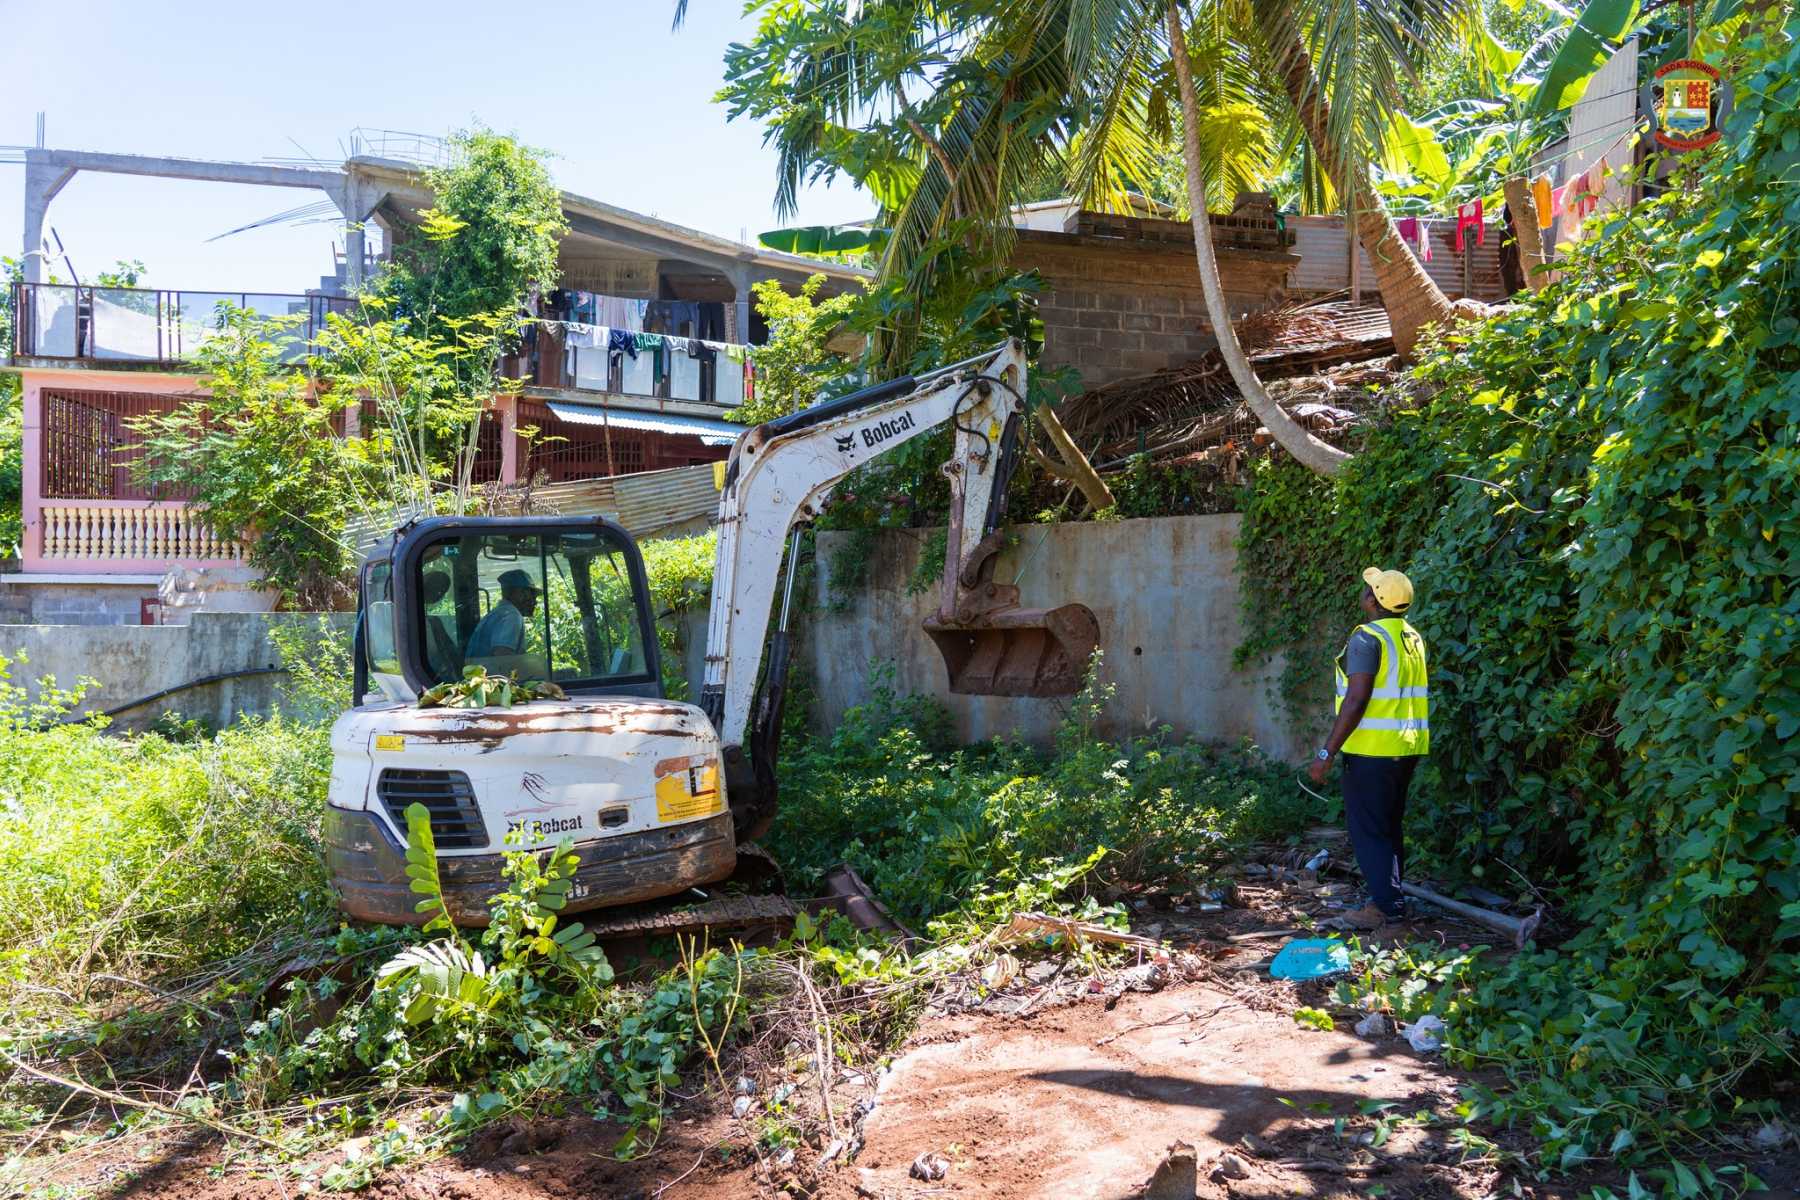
(729, 912)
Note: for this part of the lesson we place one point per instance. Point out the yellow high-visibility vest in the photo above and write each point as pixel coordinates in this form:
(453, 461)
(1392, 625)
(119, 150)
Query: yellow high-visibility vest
(1398, 719)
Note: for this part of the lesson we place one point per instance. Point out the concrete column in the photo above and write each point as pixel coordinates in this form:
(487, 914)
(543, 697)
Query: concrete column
(508, 409)
(31, 481)
(740, 282)
(42, 181)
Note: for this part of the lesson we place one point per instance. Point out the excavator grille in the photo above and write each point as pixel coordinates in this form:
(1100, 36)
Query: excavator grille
(456, 822)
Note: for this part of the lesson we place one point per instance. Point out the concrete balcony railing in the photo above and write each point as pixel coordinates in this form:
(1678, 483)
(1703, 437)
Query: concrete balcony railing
(129, 534)
(100, 325)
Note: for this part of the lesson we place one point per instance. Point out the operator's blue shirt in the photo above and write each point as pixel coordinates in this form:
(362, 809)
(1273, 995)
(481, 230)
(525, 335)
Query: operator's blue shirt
(502, 631)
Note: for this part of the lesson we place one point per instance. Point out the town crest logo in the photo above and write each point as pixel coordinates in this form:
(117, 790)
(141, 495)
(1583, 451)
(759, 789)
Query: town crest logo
(1684, 116)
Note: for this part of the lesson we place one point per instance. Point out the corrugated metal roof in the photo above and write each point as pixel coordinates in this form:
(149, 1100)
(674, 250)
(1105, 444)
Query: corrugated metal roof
(710, 432)
(647, 504)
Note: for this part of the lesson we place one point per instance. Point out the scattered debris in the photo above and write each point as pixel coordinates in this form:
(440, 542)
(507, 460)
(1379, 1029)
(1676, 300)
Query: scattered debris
(1002, 971)
(1311, 958)
(1229, 1166)
(740, 1108)
(930, 1167)
(1519, 929)
(1373, 1025)
(1030, 925)
(1317, 862)
(1426, 1034)
(1175, 1177)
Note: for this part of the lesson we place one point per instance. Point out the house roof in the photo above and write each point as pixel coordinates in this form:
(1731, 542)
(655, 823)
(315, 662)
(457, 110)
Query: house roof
(710, 430)
(409, 179)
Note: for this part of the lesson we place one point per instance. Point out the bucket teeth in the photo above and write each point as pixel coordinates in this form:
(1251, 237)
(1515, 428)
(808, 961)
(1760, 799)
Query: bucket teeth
(1018, 651)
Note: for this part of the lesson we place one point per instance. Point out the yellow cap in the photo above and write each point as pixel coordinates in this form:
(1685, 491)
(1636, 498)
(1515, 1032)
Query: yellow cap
(1393, 591)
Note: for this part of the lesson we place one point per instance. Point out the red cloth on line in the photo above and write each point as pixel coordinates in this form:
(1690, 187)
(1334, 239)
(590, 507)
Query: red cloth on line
(1467, 215)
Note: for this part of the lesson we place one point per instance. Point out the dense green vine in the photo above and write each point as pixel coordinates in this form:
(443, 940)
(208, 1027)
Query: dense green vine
(1599, 510)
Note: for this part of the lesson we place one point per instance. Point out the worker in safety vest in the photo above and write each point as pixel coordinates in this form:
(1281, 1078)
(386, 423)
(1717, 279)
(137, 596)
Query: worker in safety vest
(1383, 729)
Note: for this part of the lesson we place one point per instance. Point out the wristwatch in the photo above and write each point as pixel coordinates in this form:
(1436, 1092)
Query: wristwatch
(1322, 754)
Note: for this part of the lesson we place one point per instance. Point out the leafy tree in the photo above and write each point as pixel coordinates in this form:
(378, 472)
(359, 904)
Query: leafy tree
(490, 237)
(794, 364)
(264, 460)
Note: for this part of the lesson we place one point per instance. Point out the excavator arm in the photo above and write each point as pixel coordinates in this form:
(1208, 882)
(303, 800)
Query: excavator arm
(777, 480)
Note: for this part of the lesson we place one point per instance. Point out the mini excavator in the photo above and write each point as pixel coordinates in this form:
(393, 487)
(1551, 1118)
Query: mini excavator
(663, 800)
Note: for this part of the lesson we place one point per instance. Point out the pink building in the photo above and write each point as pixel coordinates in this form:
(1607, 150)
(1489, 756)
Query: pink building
(100, 548)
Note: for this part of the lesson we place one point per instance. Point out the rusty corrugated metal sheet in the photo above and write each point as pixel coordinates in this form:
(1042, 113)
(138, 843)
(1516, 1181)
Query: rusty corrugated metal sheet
(648, 504)
(1324, 251)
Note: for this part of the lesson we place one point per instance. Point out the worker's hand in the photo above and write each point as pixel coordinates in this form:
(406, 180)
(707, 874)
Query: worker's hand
(1316, 772)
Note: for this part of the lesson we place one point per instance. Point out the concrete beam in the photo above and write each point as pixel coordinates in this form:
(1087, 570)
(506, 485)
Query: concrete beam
(48, 171)
(198, 169)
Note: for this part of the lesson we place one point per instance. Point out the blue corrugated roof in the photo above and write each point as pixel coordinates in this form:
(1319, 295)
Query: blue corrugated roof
(710, 430)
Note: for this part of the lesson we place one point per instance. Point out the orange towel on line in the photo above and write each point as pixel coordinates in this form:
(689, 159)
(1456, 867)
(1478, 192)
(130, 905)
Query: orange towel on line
(1540, 196)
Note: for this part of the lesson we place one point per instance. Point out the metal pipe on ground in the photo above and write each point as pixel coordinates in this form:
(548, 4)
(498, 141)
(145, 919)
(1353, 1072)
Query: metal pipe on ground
(1519, 929)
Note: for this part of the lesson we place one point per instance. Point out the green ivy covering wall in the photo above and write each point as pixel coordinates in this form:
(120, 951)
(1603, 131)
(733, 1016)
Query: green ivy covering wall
(1601, 512)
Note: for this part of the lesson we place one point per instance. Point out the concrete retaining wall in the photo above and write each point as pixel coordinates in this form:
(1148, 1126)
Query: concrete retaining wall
(132, 661)
(1165, 593)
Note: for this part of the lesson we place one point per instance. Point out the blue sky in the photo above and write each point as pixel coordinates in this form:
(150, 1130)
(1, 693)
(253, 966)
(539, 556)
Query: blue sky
(623, 105)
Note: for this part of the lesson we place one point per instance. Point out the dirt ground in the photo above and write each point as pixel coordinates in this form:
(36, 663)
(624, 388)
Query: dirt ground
(1055, 1083)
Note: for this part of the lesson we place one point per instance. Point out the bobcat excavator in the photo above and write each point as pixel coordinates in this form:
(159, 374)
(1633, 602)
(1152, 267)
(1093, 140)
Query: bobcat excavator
(661, 799)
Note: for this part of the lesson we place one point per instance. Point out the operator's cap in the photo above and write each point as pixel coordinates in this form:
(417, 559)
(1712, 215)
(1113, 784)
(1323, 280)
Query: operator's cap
(516, 578)
(1393, 591)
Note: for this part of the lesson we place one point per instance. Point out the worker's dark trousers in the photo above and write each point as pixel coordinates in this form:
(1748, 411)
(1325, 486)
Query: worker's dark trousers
(1375, 809)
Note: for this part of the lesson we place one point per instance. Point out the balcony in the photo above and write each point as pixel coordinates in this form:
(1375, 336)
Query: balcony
(99, 326)
(79, 325)
(96, 360)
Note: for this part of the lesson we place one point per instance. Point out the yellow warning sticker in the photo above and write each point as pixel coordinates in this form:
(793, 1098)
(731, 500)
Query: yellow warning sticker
(686, 794)
(389, 741)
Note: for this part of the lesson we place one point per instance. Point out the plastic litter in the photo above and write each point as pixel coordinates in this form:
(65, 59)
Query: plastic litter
(1318, 860)
(1425, 1034)
(740, 1107)
(929, 1167)
(1311, 958)
(1373, 1025)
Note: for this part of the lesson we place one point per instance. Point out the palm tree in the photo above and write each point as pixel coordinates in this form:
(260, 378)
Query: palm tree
(953, 110)
(1308, 451)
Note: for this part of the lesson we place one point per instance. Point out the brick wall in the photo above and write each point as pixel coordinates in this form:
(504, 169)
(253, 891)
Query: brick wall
(1115, 308)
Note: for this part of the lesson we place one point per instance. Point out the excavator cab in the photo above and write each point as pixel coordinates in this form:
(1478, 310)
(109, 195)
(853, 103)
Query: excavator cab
(536, 598)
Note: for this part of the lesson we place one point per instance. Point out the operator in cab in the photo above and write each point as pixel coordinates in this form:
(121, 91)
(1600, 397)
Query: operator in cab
(501, 634)
(1383, 729)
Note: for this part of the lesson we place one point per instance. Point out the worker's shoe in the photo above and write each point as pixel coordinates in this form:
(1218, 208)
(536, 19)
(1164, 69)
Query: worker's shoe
(1366, 919)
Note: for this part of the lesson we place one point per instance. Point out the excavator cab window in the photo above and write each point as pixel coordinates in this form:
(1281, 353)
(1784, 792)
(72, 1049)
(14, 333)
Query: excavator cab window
(537, 603)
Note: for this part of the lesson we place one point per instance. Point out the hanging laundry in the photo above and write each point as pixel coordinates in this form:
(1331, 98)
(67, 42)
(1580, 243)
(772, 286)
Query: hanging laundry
(709, 320)
(589, 362)
(728, 374)
(1540, 199)
(684, 369)
(616, 312)
(638, 374)
(677, 318)
(582, 308)
(1469, 216)
(622, 341)
(1417, 236)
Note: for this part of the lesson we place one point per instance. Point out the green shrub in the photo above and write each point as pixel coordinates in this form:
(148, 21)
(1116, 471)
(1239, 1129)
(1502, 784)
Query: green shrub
(1599, 512)
(931, 828)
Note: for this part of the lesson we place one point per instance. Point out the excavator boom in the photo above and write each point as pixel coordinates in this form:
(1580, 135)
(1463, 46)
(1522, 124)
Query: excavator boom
(777, 480)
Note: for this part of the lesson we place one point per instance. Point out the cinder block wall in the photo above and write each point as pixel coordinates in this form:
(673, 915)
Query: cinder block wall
(1114, 308)
(1166, 595)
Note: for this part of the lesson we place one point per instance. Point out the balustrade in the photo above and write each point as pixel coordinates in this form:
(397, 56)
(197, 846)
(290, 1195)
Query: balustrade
(73, 531)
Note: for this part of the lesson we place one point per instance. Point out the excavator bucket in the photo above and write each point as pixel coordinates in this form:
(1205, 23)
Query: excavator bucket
(1012, 651)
